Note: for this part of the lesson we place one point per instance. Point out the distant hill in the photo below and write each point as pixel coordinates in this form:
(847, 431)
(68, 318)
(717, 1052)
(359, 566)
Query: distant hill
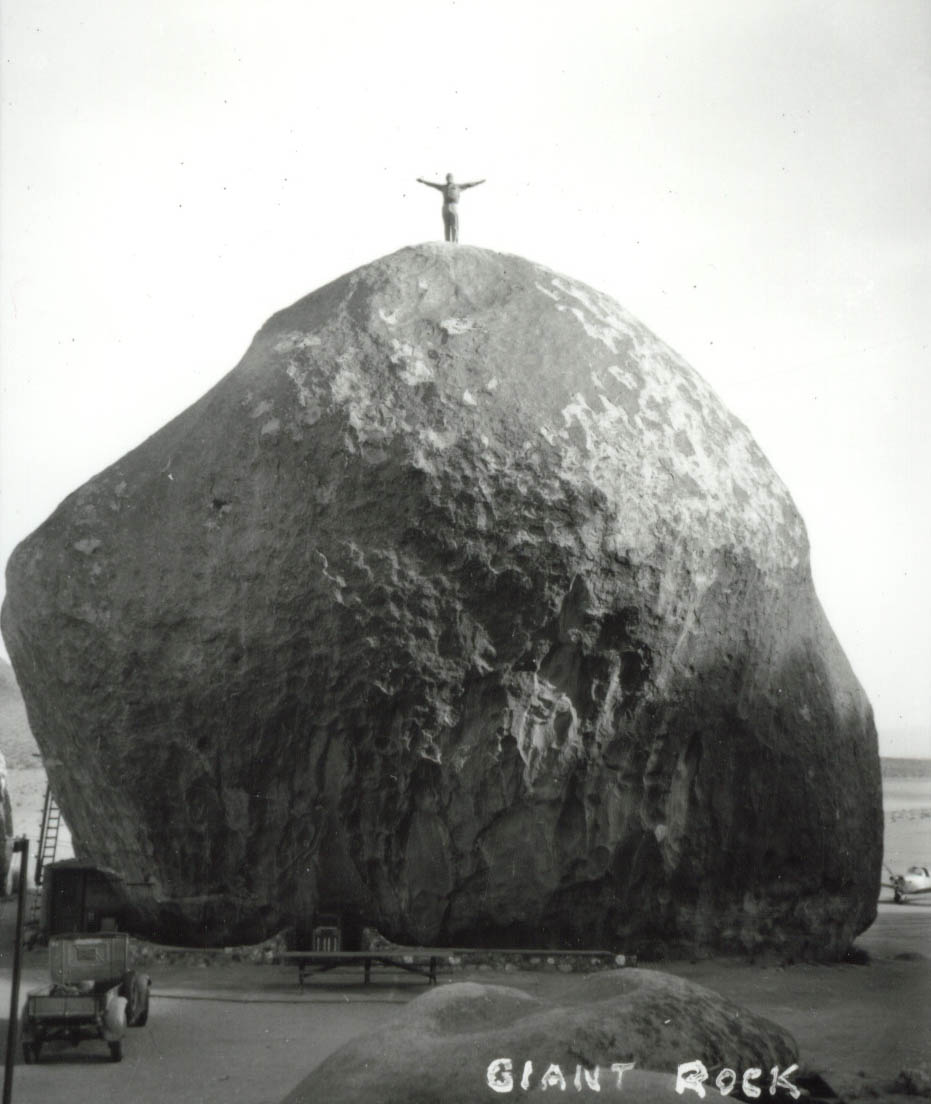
(905, 768)
(16, 740)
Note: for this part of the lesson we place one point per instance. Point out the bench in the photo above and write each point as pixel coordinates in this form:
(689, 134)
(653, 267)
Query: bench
(416, 960)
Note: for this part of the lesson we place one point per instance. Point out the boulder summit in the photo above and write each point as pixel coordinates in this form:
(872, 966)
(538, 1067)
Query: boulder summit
(462, 607)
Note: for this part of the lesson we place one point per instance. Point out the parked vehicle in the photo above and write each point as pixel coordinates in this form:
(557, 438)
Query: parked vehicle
(93, 994)
(915, 880)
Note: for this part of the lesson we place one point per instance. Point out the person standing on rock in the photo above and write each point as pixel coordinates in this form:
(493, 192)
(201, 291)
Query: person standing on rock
(450, 192)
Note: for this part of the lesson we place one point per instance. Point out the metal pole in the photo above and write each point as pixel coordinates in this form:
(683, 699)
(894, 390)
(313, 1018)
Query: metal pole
(22, 845)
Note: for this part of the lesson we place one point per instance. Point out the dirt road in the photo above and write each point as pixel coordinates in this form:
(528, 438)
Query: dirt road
(248, 1035)
(200, 1051)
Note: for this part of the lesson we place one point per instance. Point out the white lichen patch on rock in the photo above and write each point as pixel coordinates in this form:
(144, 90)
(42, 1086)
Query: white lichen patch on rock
(288, 342)
(308, 396)
(456, 325)
(411, 361)
(664, 410)
(545, 728)
(599, 317)
(440, 441)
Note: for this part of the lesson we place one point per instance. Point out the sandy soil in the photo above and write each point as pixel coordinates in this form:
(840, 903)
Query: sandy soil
(242, 1034)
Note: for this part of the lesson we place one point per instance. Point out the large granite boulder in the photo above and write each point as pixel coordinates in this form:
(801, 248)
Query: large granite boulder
(468, 1042)
(462, 607)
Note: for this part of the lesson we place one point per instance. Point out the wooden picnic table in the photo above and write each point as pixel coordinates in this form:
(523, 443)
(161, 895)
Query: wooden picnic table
(318, 962)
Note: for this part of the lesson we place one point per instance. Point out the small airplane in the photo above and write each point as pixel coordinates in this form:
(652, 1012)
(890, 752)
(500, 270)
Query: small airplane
(916, 879)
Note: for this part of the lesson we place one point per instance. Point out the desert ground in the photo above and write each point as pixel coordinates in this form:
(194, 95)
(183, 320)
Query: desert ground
(246, 1034)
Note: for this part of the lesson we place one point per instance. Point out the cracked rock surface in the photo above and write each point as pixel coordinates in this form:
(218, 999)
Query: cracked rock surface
(463, 608)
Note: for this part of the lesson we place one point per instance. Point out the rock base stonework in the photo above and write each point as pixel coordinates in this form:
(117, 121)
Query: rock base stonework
(460, 607)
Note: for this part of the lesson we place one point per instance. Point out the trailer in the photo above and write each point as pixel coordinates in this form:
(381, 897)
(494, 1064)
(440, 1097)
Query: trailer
(93, 994)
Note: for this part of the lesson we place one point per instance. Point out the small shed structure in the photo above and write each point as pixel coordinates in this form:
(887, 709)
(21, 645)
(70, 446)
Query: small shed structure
(78, 896)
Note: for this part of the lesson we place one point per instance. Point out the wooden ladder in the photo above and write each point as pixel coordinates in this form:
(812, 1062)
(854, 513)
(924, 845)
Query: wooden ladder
(45, 854)
(48, 834)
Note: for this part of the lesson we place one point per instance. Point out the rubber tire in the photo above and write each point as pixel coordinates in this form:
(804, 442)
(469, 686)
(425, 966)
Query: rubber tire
(128, 990)
(30, 1053)
(116, 1050)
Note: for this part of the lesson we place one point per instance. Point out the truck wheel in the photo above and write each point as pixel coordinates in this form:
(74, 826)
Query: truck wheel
(116, 1050)
(135, 988)
(31, 1053)
(128, 989)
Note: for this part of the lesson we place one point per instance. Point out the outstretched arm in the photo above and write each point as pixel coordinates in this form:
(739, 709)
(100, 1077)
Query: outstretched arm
(472, 184)
(420, 180)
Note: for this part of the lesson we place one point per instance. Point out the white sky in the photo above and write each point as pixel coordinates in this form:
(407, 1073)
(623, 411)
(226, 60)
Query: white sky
(752, 178)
